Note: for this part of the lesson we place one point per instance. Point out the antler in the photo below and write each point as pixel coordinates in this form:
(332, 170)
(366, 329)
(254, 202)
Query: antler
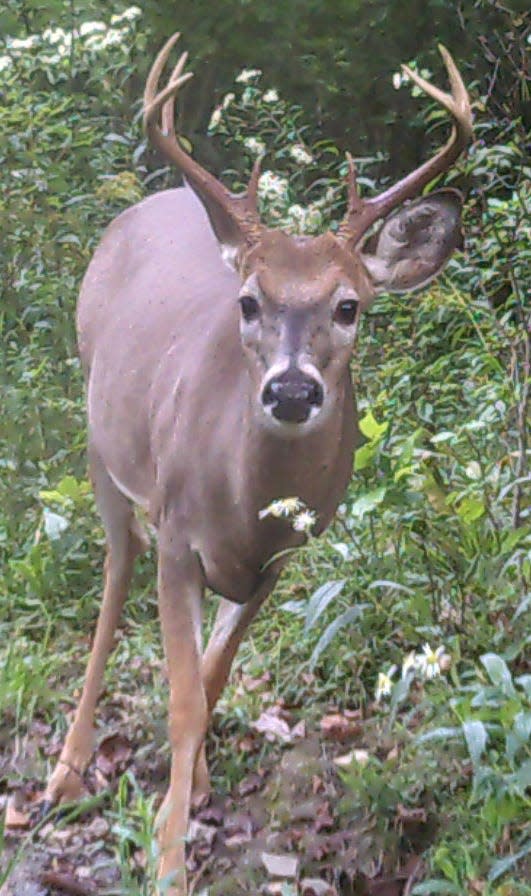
(240, 211)
(362, 213)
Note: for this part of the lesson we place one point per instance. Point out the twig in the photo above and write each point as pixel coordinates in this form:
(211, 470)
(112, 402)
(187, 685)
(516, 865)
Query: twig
(67, 883)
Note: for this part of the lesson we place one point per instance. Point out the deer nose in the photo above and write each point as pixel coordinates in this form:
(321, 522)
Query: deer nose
(291, 395)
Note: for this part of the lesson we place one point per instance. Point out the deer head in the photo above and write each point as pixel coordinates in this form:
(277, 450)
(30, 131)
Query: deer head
(301, 297)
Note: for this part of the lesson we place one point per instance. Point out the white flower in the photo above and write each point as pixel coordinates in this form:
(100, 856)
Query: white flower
(128, 15)
(431, 662)
(215, 119)
(57, 35)
(5, 62)
(227, 100)
(248, 74)
(270, 96)
(304, 521)
(282, 507)
(271, 185)
(91, 28)
(23, 43)
(255, 147)
(297, 212)
(300, 154)
(384, 685)
(397, 80)
(410, 664)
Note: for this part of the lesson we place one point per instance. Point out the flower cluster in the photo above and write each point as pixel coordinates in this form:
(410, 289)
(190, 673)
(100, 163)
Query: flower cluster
(425, 665)
(302, 518)
(301, 154)
(247, 75)
(93, 36)
(254, 146)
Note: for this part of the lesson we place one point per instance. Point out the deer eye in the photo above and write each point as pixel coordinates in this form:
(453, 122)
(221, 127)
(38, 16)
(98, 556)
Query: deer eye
(250, 308)
(345, 312)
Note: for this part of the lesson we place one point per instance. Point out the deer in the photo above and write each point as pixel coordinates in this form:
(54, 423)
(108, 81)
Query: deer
(216, 358)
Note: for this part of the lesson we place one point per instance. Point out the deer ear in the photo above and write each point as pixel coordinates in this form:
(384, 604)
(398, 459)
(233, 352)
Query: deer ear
(415, 243)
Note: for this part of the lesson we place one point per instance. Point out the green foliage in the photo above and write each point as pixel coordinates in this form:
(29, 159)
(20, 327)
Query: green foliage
(433, 540)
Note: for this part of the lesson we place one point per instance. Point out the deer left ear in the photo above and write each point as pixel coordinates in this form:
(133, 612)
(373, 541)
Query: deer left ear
(415, 243)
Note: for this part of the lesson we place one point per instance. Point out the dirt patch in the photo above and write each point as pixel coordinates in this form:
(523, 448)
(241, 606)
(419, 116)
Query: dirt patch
(290, 826)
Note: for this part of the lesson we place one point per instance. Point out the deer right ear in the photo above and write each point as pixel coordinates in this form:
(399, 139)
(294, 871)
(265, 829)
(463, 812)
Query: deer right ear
(413, 245)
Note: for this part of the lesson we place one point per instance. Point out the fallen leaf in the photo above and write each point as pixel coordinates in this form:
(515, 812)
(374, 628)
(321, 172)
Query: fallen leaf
(205, 833)
(360, 756)
(323, 819)
(339, 727)
(299, 730)
(113, 754)
(280, 866)
(410, 816)
(16, 818)
(211, 815)
(250, 784)
(314, 886)
(270, 724)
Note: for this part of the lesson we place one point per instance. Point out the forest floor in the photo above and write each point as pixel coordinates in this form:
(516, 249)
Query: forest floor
(287, 826)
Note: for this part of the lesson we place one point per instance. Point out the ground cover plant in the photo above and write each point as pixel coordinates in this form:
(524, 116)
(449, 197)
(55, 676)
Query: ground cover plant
(375, 734)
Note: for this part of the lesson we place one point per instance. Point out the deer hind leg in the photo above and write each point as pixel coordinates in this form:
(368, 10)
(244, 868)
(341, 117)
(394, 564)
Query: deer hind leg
(232, 621)
(180, 586)
(125, 540)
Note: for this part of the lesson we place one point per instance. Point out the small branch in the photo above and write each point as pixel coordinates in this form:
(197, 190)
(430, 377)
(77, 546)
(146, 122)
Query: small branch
(67, 883)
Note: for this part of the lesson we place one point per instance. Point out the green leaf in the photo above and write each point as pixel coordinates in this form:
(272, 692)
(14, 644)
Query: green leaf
(476, 739)
(367, 502)
(320, 599)
(444, 436)
(523, 776)
(371, 429)
(501, 866)
(364, 455)
(331, 631)
(438, 734)
(471, 509)
(498, 672)
(432, 887)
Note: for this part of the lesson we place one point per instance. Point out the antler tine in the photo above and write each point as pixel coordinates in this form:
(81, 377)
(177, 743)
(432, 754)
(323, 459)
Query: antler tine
(252, 186)
(361, 214)
(153, 78)
(214, 195)
(168, 109)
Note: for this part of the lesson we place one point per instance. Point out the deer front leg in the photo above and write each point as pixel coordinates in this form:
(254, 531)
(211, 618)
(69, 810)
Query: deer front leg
(232, 621)
(125, 540)
(180, 594)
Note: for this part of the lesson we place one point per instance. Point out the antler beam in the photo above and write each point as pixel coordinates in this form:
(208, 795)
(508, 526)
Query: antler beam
(362, 213)
(159, 104)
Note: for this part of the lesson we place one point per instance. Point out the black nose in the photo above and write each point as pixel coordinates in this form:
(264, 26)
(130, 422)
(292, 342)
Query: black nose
(292, 395)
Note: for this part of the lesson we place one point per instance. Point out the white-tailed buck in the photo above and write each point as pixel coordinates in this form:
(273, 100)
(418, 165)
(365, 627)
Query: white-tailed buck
(216, 353)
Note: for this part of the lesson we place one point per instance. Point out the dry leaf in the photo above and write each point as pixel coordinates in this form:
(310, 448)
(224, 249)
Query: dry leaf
(113, 754)
(280, 866)
(345, 761)
(204, 833)
(250, 784)
(270, 724)
(411, 816)
(314, 886)
(16, 818)
(339, 727)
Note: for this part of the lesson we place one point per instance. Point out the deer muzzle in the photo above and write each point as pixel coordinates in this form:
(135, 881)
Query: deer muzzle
(292, 396)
